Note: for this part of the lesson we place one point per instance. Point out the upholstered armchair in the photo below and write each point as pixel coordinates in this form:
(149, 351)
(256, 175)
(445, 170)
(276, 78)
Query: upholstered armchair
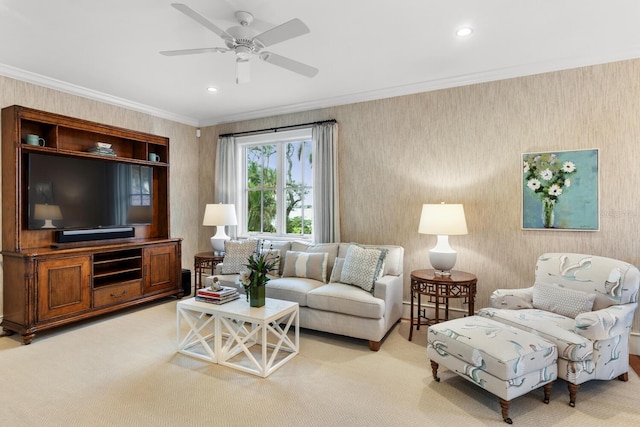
(582, 303)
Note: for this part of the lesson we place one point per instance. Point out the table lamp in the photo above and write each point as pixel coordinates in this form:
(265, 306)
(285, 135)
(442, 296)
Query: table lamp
(442, 220)
(219, 215)
(47, 213)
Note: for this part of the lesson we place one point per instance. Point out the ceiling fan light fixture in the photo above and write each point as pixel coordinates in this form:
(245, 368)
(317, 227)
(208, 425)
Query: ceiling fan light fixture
(242, 71)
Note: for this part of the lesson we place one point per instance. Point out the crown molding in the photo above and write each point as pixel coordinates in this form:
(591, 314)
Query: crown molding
(59, 85)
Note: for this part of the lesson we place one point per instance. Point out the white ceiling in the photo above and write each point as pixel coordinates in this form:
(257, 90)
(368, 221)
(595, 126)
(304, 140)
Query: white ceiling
(365, 49)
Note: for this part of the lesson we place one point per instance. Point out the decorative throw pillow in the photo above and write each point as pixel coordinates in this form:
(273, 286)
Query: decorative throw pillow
(305, 264)
(362, 266)
(280, 245)
(564, 301)
(272, 255)
(337, 270)
(236, 255)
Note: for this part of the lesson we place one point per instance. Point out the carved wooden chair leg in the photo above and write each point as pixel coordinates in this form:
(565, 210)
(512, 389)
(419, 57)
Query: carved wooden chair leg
(504, 405)
(573, 391)
(434, 370)
(547, 391)
(624, 377)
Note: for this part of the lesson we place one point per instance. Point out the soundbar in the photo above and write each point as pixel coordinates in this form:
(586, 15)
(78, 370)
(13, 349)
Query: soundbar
(67, 236)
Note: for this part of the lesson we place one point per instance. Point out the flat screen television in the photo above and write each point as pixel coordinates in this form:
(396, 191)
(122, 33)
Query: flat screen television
(72, 193)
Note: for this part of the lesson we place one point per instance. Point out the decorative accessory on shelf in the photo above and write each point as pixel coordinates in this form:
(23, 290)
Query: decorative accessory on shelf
(547, 177)
(255, 277)
(219, 215)
(443, 221)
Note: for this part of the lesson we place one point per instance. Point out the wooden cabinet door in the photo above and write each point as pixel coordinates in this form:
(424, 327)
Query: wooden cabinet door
(159, 268)
(63, 286)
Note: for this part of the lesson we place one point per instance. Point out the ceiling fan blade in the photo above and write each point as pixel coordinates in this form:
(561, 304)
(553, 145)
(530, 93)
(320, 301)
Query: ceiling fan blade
(289, 64)
(193, 51)
(286, 31)
(201, 20)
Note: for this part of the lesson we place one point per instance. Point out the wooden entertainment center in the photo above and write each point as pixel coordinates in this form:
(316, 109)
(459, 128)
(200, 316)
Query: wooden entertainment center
(47, 283)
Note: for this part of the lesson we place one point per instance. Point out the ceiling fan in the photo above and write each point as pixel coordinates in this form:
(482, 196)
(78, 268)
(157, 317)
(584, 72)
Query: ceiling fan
(244, 41)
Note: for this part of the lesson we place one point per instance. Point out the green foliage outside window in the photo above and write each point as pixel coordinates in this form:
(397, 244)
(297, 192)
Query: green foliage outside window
(262, 175)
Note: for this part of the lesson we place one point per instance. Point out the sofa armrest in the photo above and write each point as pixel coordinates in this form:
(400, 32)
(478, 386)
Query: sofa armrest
(605, 323)
(512, 299)
(389, 289)
(218, 269)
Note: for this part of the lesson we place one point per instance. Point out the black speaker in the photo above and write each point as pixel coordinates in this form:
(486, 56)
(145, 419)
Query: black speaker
(69, 236)
(186, 282)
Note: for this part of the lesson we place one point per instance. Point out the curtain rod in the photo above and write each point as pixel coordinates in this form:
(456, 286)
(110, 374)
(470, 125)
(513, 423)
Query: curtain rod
(277, 129)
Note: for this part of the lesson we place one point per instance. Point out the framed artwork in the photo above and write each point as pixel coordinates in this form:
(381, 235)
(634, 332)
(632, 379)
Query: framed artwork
(560, 190)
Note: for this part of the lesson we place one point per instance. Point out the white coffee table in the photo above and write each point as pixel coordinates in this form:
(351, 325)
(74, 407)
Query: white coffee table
(250, 339)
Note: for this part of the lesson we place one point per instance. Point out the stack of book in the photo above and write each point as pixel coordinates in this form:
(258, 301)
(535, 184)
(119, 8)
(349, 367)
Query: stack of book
(224, 294)
(103, 149)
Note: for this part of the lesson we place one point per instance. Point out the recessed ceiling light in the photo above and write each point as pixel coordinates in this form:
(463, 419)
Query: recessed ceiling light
(463, 32)
(212, 89)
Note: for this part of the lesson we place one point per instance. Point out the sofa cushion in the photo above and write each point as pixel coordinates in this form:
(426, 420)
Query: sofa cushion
(272, 255)
(362, 266)
(307, 265)
(236, 254)
(347, 299)
(279, 245)
(551, 326)
(293, 289)
(559, 300)
(392, 261)
(331, 249)
(337, 270)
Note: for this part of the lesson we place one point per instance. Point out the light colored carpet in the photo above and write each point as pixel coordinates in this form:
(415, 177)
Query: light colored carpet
(123, 370)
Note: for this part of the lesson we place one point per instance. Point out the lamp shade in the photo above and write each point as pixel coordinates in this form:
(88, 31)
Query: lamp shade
(443, 219)
(51, 212)
(220, 214)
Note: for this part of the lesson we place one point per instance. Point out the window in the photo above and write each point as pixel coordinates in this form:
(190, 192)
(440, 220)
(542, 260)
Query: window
(276, 185)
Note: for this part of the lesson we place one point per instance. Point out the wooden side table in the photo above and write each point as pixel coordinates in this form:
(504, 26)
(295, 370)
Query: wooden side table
(205, 261)
(439, 289)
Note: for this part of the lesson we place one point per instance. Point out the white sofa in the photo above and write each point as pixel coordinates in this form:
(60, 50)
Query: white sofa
(330, 305)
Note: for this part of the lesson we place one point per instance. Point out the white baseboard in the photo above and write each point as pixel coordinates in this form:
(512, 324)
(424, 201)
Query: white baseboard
(634, 338)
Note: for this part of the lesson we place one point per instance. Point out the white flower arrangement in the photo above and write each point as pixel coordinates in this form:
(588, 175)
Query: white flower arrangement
(547, 177)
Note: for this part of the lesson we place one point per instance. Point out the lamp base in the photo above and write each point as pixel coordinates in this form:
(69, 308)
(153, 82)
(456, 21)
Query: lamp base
(442, 257)
(218, 239)
(443, 273)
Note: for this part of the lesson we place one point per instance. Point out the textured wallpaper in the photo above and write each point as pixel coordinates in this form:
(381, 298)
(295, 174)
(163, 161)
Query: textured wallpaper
(464, 145)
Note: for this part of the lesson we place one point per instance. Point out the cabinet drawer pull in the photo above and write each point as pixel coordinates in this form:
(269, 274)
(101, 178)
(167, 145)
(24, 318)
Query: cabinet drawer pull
(124, 292)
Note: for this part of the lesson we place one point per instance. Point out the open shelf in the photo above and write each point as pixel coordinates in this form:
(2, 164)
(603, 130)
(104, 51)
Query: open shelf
(117, 266)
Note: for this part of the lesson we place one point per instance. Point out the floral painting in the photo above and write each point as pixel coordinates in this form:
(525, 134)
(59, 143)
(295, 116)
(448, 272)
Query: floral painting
(560, 190)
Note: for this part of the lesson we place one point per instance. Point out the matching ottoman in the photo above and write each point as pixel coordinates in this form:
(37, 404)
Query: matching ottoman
(503, 360)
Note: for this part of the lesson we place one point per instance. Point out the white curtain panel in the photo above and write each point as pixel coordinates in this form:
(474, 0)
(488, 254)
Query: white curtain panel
(326, 209)
(226, 175)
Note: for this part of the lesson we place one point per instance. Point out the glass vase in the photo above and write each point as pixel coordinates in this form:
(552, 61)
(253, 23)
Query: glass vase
(548, 215)
(257, 296)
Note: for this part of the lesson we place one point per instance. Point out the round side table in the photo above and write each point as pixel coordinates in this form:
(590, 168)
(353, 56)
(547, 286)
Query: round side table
(204, 261)
(439, 290)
